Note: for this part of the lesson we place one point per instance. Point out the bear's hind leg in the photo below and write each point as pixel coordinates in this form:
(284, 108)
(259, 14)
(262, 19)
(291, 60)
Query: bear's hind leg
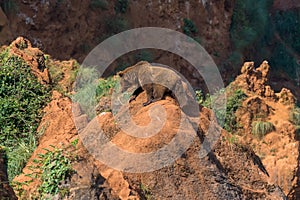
(149, 91)
(158, 92)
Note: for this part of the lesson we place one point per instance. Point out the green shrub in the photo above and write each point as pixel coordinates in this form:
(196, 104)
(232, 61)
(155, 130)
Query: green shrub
(287, 24)
(226, 117)
(206, 100)
(283, 62)
(18, 157)
(96, 4)
(85, 48)
(105, 86)
(260, 128)
(144, 55)
(85, 90)
(114, 25)
(250, 31)
(295, 116)
(233, 103)
(254, 36)
(189, 28)
(57, 74)
(54, 167)
(145, 192)
(21, 99)
(121, 6)
(199, 97)
(9, 6)
(249, 22)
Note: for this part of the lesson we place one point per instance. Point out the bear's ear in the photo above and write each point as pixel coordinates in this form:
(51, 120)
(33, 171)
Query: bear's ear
(121, 73)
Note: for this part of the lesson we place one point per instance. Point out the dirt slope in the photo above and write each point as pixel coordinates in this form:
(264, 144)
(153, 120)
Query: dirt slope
(222, 174)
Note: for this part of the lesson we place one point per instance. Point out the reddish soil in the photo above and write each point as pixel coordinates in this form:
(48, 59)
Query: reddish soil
(278, 150)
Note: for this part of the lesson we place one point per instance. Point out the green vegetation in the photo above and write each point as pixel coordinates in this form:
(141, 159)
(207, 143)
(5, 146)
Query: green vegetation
(99, 4)
(85, 87)
(286, 24)
(105, 87)
(74, 143)
(9, 6)
(232, 139)
(189, 28)
(55, 167)
(51, 168)
(121, 6)
(297, 133)
(206, 100)
(21, 100)
(294, 117)
(85, 48)
(260, 35)
(144, 55)
(249, 22)
(234, 101)
(89, 90)
(114, 25)
(117, 23)
(57, 74)
(261, 128)
(199, 97)
(18, 157)
(145, 192)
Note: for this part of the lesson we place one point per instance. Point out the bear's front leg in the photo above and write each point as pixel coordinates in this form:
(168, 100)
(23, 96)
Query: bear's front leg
(133, 97)
(148, 102)
(149, 91)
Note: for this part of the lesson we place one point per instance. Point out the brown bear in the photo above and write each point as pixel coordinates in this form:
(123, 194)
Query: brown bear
(156, 81)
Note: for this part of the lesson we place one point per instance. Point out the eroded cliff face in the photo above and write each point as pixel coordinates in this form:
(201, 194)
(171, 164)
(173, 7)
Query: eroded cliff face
(68, 29)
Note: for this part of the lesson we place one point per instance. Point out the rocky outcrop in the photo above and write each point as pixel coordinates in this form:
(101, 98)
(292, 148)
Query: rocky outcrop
(285, 96)
(278, 149)
(255, 79)
(229, 171)
(34, 57)
(87, 183)
(254, 108)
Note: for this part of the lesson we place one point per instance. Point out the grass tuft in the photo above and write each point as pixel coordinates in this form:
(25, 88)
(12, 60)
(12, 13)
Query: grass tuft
(260, 128)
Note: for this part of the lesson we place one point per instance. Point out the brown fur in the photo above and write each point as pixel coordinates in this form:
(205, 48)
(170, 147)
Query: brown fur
(143, 75)
(156, 82)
